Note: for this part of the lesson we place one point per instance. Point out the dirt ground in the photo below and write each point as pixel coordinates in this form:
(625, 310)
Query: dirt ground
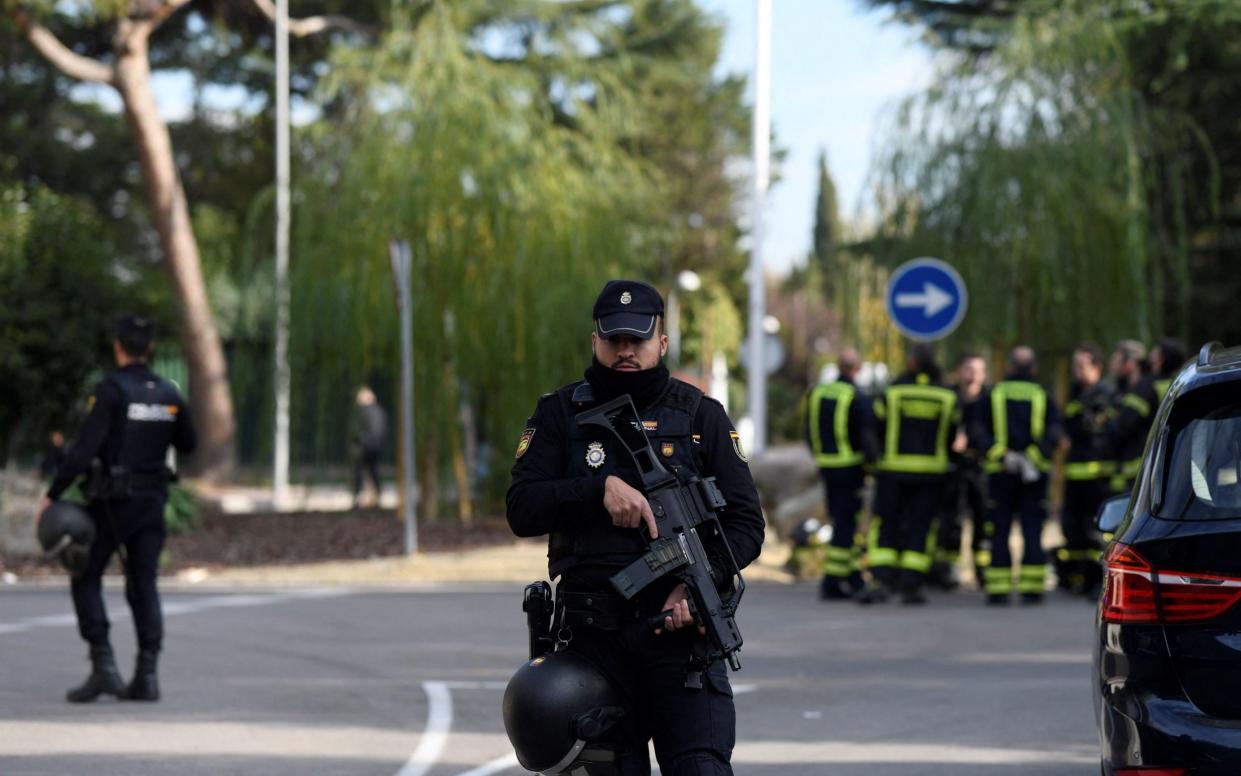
(354, 548)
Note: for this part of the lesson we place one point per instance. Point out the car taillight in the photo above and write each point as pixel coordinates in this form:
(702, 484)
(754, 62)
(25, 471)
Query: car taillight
(1133, 591)
(1128, 587)
(1152, 772)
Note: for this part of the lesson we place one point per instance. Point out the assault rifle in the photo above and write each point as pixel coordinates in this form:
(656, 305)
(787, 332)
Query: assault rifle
(685, 514)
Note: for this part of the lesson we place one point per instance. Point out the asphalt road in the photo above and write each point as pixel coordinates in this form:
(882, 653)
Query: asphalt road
(336, 681)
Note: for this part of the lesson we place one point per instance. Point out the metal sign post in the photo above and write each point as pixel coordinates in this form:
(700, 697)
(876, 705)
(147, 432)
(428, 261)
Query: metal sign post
(280, 466)
(399, 254)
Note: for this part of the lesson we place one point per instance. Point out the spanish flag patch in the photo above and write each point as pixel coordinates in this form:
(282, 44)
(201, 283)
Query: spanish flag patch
(737, 446)
(524, 443)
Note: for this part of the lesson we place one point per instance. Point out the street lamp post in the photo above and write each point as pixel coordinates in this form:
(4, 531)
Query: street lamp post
(762, 172)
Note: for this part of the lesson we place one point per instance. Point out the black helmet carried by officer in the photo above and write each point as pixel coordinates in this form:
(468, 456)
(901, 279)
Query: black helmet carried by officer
(66, 531)
(554, 706)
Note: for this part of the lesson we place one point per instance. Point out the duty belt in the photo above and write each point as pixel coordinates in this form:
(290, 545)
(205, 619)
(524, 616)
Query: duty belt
(596, 610)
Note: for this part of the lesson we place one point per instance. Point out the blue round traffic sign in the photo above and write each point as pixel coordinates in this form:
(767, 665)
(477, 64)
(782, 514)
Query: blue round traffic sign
(926, 298)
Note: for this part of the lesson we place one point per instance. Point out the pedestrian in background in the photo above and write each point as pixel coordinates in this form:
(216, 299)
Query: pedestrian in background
(370, 435)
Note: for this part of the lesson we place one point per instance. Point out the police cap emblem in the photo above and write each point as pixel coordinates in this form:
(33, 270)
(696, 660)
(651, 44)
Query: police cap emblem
(595, 456)
(626, 298)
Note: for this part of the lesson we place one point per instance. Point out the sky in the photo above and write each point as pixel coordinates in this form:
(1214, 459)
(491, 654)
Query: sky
(836, 72)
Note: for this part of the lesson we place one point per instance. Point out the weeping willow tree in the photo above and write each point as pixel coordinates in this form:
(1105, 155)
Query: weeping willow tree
(515, 217)
(1041, 174)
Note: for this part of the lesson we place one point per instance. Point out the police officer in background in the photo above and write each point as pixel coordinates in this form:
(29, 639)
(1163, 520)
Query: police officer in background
(1022, 429)
(134, 417)
(1087, 471)
(579, 488)
(840, 431)
(918, 422)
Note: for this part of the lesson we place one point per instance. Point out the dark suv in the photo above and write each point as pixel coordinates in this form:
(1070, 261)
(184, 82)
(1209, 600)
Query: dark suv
(1168, 651)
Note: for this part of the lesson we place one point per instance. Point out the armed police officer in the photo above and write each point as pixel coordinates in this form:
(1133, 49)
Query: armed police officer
(1021, 429)
(840, 431)
(134, 417)
(578, 486)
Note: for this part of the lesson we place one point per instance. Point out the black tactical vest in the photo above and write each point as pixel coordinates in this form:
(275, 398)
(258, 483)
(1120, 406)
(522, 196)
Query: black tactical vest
(143, 433)
(595, 453)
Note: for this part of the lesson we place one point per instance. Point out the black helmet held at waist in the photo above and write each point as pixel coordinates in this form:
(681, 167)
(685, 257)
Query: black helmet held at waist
(554, 707)
(66, 531)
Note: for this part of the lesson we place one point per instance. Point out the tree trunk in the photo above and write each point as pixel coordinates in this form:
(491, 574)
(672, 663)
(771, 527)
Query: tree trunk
(210, 399)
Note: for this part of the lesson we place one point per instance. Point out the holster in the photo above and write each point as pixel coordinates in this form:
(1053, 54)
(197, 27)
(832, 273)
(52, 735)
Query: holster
(538, 606)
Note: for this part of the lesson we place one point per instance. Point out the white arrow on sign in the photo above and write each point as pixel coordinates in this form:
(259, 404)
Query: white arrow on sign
(932, 299)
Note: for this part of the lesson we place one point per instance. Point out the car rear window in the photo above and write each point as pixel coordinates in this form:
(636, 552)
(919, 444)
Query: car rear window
(1202, 478)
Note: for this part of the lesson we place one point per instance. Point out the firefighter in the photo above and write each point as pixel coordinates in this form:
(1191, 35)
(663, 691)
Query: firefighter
(966, 484)
(1133, 410)
(840, 431)
(918, 419)
(1087, 471)
(1021, 428)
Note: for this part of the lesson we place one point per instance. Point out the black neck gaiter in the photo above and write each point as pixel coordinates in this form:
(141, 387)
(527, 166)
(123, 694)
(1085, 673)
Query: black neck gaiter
(644, 385)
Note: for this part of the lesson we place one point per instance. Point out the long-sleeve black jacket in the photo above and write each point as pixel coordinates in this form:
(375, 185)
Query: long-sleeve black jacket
(103, 434)
(547, 495)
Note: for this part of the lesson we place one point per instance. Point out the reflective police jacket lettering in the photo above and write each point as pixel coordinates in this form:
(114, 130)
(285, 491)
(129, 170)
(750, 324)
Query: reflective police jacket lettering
(149, 421)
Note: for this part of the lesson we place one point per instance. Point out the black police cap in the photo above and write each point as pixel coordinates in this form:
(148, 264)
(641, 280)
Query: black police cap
(135, 333)
(627, 307)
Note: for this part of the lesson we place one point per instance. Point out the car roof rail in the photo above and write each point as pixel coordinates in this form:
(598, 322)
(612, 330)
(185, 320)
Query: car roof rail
(1208, 350)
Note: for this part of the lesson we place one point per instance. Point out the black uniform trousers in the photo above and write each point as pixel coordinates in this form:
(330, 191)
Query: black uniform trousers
(694, 729)
(1027, 501)
(366, 462)
(1078, 561)
(138, 524)
(904, 507)
(844, 503)
(965, 491)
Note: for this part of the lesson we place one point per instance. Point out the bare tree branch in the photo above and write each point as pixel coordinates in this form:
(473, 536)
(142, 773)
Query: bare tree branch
(311, 25)
(164, 11)
(60, 56)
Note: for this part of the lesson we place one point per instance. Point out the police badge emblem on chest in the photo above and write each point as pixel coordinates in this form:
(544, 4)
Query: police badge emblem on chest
(595, 456)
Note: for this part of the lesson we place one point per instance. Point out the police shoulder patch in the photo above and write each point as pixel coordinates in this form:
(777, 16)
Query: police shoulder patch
(523, 444)
(737, 446)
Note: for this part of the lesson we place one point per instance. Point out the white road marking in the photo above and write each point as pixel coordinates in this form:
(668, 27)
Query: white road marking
(498, 765)
(176, 607)
(439, 723)
(837, 752)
